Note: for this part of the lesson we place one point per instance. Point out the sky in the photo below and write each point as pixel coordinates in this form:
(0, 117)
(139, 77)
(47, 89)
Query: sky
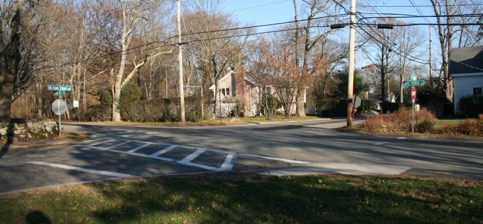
(259, 12)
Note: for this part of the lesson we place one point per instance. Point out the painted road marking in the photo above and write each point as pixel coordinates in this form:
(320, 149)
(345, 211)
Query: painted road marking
(379, 143)
(138, 148)
(193, 156)
(228, 162)
(67, 167)
(161, 152)
(122, 143)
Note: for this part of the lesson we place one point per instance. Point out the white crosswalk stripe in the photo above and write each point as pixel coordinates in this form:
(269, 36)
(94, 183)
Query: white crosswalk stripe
(167, 152)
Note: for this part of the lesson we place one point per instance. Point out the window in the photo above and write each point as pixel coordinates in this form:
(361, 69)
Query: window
(477, 91)
(267, 90)
(224, 91)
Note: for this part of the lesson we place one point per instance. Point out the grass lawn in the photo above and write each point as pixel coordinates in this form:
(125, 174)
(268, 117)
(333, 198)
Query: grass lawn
(443, 122)
(249, 198)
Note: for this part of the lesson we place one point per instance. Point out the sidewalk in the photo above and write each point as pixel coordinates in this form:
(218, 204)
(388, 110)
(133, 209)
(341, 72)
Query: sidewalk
(338, 168)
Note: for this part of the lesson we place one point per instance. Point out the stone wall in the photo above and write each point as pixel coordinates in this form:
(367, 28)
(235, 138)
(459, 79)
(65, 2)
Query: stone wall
(29, 129)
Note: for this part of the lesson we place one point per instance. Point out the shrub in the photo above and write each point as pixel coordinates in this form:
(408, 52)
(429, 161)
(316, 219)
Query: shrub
(98, 113)
(143, 111)
(331, 107)
(365, 106)
(269, 104)
(401, 121)
(375, 124)
(166, 110)
(471, 106)
(424, 121)
(130, 92)
(388, 107)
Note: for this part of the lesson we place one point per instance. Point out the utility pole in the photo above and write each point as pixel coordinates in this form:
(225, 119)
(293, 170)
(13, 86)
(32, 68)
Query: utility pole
(180, 59)
(430, 59)
(383, 74)
(350, 86)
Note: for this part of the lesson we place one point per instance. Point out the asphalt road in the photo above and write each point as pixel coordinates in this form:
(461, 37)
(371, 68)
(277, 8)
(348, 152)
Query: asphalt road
(288, 148)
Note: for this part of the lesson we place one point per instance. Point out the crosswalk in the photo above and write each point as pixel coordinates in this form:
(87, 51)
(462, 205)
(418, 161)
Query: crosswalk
(208, 159)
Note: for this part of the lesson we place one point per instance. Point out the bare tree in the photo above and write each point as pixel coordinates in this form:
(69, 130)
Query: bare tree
(11, 32)
(313, 9)
(132, 14)
(383, 42)
(449, 12)
(408, 44)
(217, 47)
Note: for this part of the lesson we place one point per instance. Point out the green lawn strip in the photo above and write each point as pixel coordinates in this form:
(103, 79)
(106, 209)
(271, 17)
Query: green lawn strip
(444, 122)
(247, 198)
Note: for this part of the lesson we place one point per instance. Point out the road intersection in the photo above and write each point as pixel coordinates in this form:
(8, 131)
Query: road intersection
(276, 149)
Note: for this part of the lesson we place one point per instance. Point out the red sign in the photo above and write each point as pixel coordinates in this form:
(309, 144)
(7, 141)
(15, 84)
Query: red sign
(413, 94)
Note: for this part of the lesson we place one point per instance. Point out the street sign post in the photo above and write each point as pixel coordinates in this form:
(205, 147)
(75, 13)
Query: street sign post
(59, 88)
(413, 94)
(59, 107)
(414, 83)
(413, 97)
(59, 93)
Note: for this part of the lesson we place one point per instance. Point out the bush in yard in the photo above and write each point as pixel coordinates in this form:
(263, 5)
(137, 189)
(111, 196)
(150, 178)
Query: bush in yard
(130, 92)
(400, 121)
(193, 109)
(331, 107)
(471, 106)
(144, 111)
(375, 124)
(101, 112)
(365, 106)
(269, 104)
(424, 121)
(472, 127)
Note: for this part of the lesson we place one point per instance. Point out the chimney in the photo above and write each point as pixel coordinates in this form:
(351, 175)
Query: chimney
(241, 93)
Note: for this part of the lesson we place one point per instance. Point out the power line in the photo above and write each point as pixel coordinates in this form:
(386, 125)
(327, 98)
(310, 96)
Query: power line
(419, 6)
(164, 44)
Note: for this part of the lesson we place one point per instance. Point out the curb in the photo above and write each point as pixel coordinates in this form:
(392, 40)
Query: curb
(36, 144)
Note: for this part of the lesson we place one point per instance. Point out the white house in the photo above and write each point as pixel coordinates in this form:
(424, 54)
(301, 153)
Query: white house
(236, 88)
(466, 70)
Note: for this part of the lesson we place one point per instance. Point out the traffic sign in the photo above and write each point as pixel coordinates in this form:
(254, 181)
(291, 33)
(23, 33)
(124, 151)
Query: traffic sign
(413, 94)
(59, 93)
(59, 87)
(59, 107)
(414, 83)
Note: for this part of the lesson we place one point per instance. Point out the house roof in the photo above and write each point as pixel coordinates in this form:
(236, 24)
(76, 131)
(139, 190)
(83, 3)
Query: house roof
(466, 60)
(212, 87)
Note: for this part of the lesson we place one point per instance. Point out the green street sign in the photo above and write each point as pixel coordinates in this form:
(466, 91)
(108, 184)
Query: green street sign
(59, 88)
(59, 93)
(414, 83)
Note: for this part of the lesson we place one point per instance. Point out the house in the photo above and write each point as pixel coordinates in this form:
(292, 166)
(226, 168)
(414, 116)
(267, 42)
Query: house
(235, 89)
(466, 70)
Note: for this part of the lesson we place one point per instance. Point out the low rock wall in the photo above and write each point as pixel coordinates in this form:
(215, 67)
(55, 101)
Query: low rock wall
(29, 129)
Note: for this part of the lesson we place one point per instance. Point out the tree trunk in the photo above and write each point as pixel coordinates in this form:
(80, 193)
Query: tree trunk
(10, 60)
(299, 104)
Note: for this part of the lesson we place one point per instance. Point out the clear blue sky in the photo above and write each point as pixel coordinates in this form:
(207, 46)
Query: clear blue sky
(259, 12)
